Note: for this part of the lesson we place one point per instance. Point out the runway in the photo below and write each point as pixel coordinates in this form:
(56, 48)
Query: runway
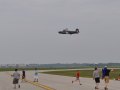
(53, 82)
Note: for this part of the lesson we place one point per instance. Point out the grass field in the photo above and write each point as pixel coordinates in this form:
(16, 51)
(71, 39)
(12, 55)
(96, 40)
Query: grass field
(83, 73)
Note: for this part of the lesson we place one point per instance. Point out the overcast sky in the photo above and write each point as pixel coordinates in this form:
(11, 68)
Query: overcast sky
(29, 31)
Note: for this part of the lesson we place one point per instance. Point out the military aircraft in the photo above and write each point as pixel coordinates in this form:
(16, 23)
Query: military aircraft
(66, 31)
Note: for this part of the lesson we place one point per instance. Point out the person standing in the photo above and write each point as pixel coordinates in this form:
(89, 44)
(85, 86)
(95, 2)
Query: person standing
(103, 72)
(23, 75)
(36, 75)
(96, 77)
(77, 77)
(16, 77)
(106, 77)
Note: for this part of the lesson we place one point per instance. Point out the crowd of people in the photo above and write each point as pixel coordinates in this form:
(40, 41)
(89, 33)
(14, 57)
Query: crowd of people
(96, 77)
(16, 77)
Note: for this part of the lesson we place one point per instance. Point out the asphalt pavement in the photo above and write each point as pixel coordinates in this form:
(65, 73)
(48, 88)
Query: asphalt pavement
(53, 82)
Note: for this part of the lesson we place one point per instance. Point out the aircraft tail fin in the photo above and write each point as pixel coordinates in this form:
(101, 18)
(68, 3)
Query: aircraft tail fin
(77, 30)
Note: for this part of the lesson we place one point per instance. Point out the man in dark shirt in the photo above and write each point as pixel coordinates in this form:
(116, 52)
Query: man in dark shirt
(107, 72)
(106, 77)
(23, 75)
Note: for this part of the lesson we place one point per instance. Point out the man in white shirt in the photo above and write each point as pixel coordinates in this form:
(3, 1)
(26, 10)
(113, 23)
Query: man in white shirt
(16, 77)
(96, 77)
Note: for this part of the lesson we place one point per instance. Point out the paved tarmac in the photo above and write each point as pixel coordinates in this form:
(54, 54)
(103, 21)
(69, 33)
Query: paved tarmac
(53, 82)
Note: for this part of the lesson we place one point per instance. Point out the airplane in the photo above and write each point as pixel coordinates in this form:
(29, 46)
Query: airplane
(66, 31)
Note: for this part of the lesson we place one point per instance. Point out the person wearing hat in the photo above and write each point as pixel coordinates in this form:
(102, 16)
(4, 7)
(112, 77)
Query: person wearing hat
(106, 73)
